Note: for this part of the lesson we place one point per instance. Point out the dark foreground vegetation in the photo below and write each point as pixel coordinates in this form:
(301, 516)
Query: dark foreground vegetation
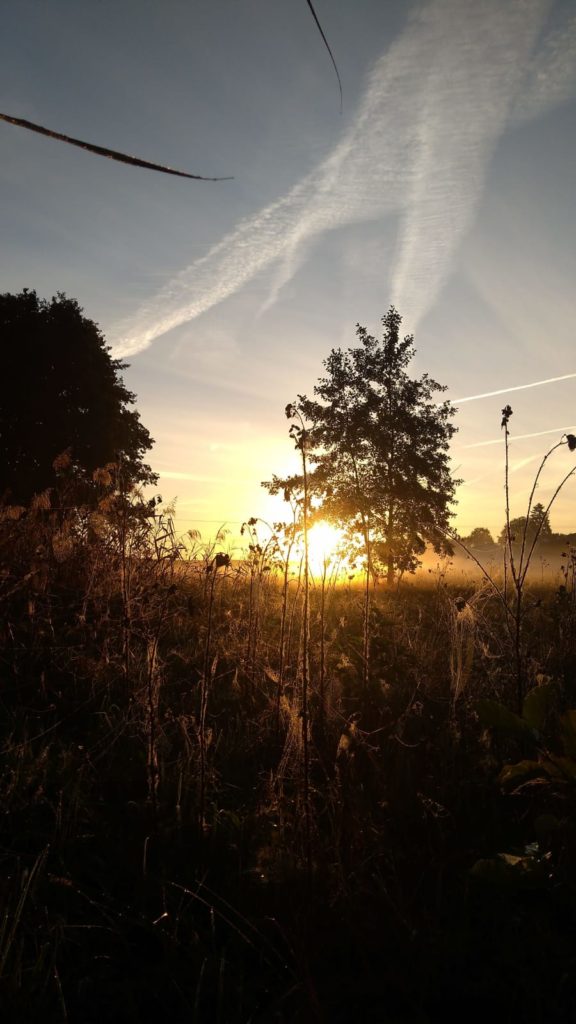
(211, 811)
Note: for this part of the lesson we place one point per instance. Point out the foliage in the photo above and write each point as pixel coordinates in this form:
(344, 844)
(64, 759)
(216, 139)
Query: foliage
(537, 525)
(154, 849)
(377, 446)
(479, 538)
(232, 791)
(540, 520)
(542, 781)
(61, 392)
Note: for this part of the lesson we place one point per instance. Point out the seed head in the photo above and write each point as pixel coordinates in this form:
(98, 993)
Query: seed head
(506, 414)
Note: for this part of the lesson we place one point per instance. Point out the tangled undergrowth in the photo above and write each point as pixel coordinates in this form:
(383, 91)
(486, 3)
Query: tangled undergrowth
(161, 857)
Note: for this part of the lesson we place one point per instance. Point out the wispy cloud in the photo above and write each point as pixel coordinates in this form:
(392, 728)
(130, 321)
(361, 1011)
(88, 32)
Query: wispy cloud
(517, 387)
(551, 78)
(522, 463)
(434, 108)
(520, 437)
(474, 67)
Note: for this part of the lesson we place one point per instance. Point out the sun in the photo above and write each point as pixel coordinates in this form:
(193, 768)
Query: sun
(323, 543)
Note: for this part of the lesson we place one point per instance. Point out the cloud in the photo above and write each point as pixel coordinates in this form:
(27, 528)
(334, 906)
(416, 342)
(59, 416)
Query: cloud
(433, 110)
(475, 68)
(521, 463)
(551, 78)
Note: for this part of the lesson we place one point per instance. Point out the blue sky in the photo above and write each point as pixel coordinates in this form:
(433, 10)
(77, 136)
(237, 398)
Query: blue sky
(446, 187)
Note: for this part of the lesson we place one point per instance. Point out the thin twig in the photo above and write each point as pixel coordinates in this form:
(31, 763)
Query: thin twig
(327, 45)
(111, 154)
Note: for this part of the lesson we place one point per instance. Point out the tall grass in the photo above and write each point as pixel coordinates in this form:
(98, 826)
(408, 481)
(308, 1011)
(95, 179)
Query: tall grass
(518, 554)
(216, 802)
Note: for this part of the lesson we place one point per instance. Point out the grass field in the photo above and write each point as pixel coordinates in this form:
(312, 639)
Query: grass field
(221, 805)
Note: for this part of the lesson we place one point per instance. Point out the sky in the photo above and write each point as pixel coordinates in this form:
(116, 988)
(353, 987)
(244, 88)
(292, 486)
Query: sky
(444, 186)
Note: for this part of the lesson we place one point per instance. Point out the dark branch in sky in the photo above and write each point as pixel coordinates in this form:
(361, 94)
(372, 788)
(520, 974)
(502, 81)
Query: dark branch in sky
(111, 154)
(327, 45)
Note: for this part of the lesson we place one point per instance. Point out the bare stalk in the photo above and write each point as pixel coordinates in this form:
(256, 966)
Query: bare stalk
(283, 618)
(519, 571)
(305, 661)
(369, 570)
(546, 511)
(300, 435)
(204, 685)
(529, 509)
(322, 680)
(152, 688)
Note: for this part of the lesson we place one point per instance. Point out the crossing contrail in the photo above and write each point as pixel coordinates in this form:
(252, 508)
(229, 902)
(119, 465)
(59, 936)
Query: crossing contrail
(521, 437)
(435, 106)
(517, 387)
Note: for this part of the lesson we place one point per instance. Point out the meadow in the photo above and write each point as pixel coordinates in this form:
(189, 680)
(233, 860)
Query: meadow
(231, 794)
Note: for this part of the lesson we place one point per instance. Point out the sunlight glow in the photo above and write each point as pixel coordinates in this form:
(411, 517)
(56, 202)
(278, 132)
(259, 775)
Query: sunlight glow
(324, 540)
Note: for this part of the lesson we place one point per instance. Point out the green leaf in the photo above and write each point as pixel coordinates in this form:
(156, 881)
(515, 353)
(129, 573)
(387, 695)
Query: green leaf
(513, 775)
(495, 716)
(538, 705)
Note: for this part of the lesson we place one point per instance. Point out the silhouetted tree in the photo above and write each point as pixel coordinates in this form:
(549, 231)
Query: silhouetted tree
(538, 523)
(378, 451)
(479, 538)
(61, 390)
(516, 531)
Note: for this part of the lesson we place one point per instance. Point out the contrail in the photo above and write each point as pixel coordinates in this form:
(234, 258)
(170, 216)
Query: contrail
(433, 110)
(520, 437)
(471, 86)
(517, 387)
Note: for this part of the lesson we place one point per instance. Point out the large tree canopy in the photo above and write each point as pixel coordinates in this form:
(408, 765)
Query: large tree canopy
(61, 390)
(377, 444)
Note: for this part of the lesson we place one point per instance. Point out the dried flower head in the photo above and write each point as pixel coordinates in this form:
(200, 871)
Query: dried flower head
(41, 501)
(12, 512)
(571, 442)
(506, 414)
(102, 477)
(63, 461)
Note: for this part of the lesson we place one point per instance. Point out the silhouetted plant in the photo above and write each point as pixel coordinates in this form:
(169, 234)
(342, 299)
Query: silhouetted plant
(286, 535)
(260, 555)
(519, 552)
(299, 434)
